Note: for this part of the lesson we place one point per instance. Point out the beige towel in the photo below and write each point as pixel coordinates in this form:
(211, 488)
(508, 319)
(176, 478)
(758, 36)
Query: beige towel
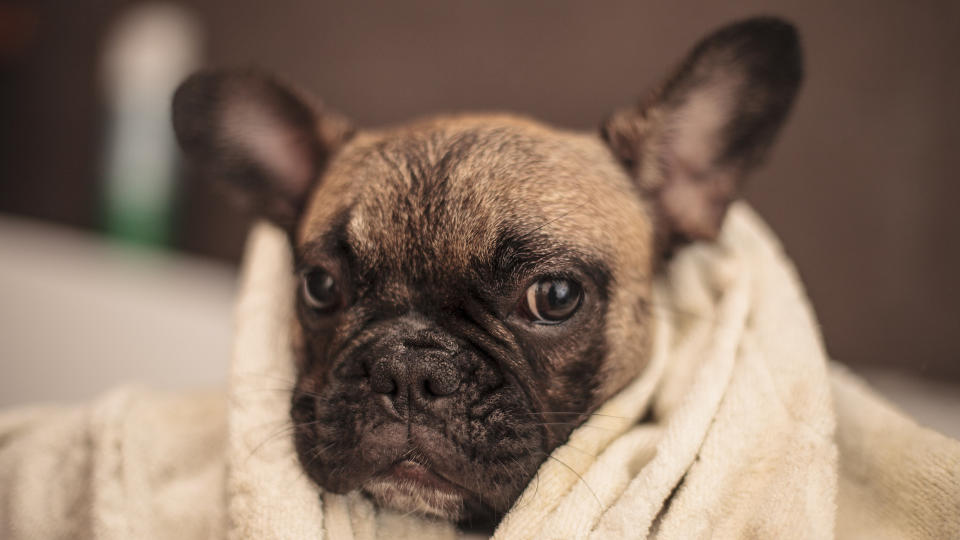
(749, 434)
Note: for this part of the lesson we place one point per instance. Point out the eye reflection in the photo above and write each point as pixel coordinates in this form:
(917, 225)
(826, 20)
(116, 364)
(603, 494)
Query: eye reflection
(551, 301)
(320, 290)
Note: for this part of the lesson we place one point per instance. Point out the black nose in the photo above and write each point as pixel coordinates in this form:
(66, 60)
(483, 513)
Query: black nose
(415, 374)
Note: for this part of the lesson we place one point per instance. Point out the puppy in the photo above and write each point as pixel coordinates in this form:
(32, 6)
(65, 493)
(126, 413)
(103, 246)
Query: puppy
(472, 286)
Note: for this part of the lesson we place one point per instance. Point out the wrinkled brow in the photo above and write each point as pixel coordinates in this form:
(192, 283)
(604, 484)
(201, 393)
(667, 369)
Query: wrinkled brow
(334, 241)
(517, 254)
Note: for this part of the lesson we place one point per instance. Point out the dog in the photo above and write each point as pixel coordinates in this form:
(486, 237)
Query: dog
(471, 287)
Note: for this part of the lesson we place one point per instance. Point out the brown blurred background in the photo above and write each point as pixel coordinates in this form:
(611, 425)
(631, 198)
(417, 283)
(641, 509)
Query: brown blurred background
(862, 187)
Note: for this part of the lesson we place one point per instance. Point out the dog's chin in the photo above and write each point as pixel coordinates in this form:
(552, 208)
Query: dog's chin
(412, 488)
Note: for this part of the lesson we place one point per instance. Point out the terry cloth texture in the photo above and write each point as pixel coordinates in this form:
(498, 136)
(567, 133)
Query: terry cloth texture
(739, 427)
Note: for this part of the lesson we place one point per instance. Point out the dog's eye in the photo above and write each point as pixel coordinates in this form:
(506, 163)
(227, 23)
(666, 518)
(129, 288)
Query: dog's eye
(320, 290)
(551, 301)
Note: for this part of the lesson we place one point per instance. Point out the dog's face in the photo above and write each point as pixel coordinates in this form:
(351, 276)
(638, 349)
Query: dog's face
(472, 287)
(457, 279)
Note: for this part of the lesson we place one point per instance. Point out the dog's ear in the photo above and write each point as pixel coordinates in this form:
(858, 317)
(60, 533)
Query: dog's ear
(265, 141)
(691, 142)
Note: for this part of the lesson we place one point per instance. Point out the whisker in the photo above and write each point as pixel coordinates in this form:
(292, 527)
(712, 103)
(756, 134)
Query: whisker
(286, 430)
(270, 438)
(574, 424)
(280, 390)
(572, 412)
(568, 445)
(265, 375)
(585, 483)
(315, 452)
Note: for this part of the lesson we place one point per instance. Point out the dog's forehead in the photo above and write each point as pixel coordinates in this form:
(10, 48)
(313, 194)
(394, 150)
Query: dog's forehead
(445, 189)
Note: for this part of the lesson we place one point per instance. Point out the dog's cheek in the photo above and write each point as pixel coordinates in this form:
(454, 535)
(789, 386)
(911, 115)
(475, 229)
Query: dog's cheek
(337, 451)
(298, 345)
(504, 463)
(576, 363)
(577, 381)
(310, 348)
(321, 414)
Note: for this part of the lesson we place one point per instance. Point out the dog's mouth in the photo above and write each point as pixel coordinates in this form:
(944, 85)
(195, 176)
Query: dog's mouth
(460, 458)
(420, 475)
(413, 486)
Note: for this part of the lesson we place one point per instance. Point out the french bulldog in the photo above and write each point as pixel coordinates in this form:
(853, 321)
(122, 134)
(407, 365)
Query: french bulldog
(471, 287)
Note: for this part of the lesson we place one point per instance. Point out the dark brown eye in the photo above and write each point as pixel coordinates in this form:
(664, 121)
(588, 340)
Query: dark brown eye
(320, 290)
(551, 301)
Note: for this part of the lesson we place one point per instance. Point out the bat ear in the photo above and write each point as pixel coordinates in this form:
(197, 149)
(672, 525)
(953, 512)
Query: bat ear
(260, 138)
(690, 144)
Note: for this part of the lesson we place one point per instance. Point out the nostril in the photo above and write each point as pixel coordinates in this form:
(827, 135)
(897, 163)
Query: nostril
(443, 381)
(382, 379)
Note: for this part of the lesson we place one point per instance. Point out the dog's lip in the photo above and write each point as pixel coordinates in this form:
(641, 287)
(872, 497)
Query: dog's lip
(407, 470)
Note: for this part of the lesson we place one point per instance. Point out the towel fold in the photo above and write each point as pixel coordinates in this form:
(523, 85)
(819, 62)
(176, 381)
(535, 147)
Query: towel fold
(739, 427)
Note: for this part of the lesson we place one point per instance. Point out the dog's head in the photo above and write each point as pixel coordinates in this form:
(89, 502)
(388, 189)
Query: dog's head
(472, 287)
